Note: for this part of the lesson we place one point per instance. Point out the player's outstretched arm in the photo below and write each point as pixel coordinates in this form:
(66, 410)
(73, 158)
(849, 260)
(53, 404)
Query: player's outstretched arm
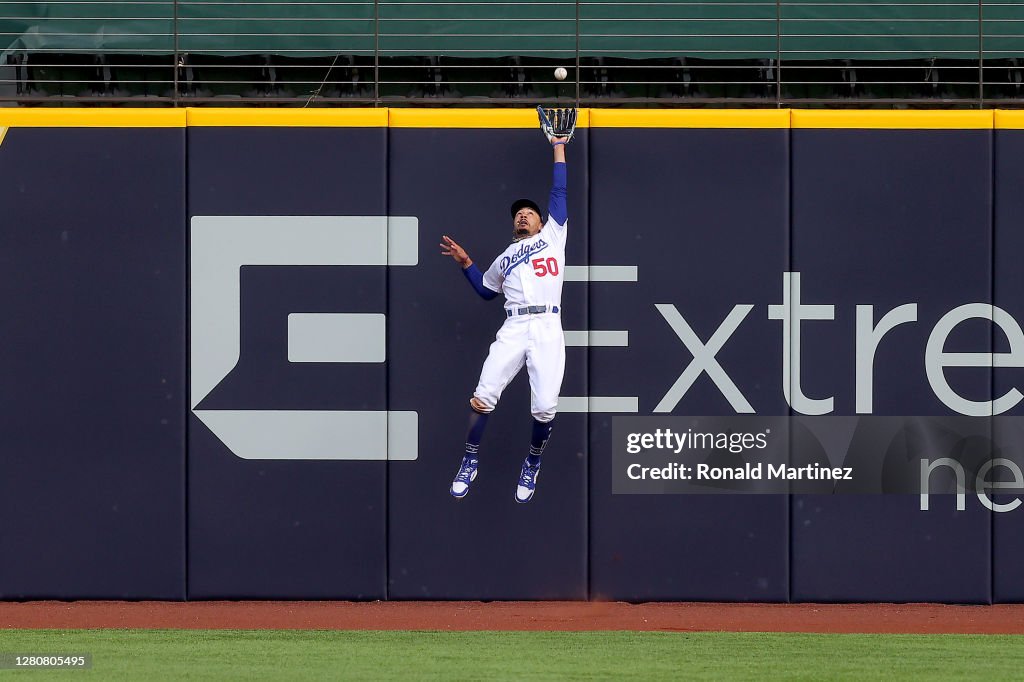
(449, 247)
(557, 201)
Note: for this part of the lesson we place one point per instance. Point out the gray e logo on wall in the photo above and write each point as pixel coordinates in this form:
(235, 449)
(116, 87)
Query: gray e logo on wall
(221, 245)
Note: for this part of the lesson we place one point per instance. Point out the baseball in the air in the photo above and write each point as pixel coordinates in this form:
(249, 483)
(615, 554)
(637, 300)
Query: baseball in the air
(561, 73)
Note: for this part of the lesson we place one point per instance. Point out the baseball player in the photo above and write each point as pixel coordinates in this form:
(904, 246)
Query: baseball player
(529, 272)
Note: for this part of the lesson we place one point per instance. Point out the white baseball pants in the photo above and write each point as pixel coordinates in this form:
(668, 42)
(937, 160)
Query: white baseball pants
(532, 340)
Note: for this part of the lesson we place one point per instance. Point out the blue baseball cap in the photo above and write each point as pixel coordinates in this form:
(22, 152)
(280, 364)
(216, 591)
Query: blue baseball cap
(520, 204)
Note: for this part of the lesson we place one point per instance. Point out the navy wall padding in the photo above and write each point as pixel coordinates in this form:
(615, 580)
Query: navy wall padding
(92, 490)
(703, 214)
(1008, 294)
(884, 217)
(486, 545)
(289, 529)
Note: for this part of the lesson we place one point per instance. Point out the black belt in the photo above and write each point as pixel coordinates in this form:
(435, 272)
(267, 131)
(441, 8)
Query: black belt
(530, 310)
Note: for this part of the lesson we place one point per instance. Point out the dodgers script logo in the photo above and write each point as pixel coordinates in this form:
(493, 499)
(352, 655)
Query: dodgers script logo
(509, 263)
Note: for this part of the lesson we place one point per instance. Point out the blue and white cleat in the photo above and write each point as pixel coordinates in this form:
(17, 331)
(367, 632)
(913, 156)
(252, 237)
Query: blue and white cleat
(527, 482)
(467, 472)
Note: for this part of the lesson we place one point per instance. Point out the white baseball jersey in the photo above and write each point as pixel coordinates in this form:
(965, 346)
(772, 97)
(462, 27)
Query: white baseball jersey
(531, 271)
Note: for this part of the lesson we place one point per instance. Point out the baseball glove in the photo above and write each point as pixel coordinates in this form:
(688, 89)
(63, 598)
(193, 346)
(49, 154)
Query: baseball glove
(557, 123)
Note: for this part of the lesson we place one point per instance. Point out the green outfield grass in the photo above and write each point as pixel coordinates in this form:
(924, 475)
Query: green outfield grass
(315, 655)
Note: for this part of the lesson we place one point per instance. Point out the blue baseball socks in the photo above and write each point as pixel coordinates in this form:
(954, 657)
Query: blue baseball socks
(477, 424)
(539, 440)
(468, 467)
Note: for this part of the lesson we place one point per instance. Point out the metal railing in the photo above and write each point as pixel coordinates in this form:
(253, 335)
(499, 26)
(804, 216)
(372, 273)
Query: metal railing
(397, 52)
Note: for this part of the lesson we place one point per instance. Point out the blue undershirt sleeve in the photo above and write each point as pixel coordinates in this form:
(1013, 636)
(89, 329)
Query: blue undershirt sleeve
(476, 278)
(556, 204)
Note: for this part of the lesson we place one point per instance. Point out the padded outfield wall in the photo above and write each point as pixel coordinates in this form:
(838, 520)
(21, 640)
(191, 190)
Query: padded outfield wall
(237, 367)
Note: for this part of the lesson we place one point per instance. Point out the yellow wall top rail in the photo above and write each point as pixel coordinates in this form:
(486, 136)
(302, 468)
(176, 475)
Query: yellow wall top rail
(69, 117)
